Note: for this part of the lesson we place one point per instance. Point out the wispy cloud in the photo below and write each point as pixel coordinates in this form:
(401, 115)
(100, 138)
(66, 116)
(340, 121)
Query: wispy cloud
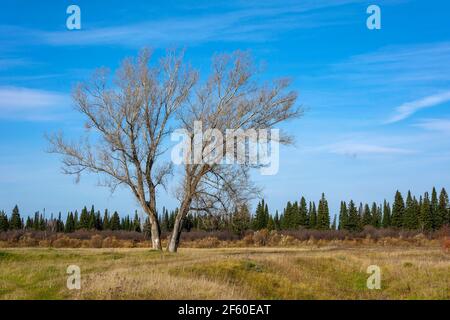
(243, 24)
(440, 125)
(354, 149)
(30, 104)
(409, 108)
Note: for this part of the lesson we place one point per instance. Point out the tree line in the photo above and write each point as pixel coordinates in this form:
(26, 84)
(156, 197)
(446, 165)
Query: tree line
(426, 213)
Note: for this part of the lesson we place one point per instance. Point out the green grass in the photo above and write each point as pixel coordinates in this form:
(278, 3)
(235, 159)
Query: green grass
(229, 273)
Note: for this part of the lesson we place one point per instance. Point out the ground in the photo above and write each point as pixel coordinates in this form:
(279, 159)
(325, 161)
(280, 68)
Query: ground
(226, 273)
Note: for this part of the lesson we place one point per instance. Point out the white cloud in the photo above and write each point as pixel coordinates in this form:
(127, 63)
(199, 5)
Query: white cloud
(409, 108)
(354, 149)
(440, 125)
(30, 104)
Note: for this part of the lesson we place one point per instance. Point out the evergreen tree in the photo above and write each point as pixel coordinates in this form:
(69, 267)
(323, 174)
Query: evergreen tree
(343, 216)
(76, 220)
(115, 221)
(106, 222)
(276, 221)
(15, 222)
(303, 213)
(312, 215)
(375, 212)
(261, 216)
(398, 210)
(426, 216)
(353, 217)
(386, 215)
(4, 224)
(366, 216)
(323, 214)
(70, 223)
(84, 219)
(442, 211)
(434, 207)
(29, 224)
(410, 218)
(240, 221)
(271, 224)
(136, 222)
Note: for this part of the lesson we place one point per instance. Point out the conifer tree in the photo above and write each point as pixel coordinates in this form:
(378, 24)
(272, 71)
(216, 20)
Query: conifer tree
(376, 215)
(410, 219)
(29, 224)
(366, 216)
(70, 223)
(312, 215)
(323, 214)
(240, 221)
(353, 217)
(426, 216)
(115, 221)
(386, 223)
(136, 222)
(343, 216)
(261, 216)
(276, 221)
(84, 219)
(442, 211)
(434, 207)
(398, 210)
(4, 224)
(106, 222)
(15, 222)
(303, 213)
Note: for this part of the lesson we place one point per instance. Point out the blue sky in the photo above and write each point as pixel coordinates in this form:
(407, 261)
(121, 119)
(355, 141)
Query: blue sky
(377, 101)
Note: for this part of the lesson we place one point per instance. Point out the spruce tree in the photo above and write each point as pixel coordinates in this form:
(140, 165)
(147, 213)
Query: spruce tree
(303, 213)
(4, 224)
(386, 223)
(410, 219)
(16, 222)
(366, 216)
(240, 221)
(313, 216)
(70, 223)
(434, 207)
(353, 217)
(84, 219)
(375, 212)
(426, 215)
(137, 223)
(276, 221)
(442, 211)
(323, 214)
(115, 221)
(106, 222)
(343, 216)
(398, 210)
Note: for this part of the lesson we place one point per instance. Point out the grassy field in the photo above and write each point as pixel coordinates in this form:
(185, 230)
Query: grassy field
(235, 273)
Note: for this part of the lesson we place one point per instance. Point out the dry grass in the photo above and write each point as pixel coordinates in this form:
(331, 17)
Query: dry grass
(310, 272)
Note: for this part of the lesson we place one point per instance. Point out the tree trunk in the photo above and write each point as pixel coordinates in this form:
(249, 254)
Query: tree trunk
(174, 241)
(156, 235)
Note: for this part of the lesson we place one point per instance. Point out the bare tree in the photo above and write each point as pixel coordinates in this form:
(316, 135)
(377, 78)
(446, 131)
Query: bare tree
(231, 98)
(127, 121)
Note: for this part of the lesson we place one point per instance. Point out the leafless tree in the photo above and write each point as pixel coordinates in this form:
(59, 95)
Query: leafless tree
(127, 121)
(231, 98)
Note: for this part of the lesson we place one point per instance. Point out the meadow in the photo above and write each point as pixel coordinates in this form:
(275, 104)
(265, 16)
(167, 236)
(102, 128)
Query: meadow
(307, 272)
